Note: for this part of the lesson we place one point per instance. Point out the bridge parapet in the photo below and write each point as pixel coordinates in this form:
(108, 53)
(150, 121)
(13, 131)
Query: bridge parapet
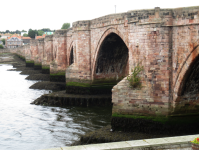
(81, 25)
(112, 19)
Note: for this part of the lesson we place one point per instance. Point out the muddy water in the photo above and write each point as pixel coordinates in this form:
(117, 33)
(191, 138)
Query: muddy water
(29, 127)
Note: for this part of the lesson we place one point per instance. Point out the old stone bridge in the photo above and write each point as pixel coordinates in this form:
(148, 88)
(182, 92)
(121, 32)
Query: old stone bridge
(99, 54)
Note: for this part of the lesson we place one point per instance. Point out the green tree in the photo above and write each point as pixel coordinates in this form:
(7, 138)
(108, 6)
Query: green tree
(7, 31)
(23, 31)
(3, 40)
(65, 26)
(17, 32)
(32, 33)
(25, 35)
(1, 46)
(40, 32)
(46, 29)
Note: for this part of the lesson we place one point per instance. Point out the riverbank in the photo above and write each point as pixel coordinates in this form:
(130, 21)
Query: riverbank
(105, 135)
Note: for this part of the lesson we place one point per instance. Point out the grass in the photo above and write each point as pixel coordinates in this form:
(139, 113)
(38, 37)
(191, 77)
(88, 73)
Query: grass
(134, 78)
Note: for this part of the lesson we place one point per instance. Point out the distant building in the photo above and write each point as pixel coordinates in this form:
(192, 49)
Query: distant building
(5, 36)
(26, 40)
(38, 37)
(48, 33)
(14, 41)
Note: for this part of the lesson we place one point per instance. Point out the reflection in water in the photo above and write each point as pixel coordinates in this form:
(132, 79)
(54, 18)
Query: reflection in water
(28, 127)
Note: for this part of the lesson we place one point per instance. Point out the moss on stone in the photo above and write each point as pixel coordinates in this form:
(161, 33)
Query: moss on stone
(37, 64)
(185, 119)
(94, 85)
(22, 57)
(45, 67)
(106, 81)
(58, 77)
(78, 84)
(88, 88)
(58, 74)
(30, 61)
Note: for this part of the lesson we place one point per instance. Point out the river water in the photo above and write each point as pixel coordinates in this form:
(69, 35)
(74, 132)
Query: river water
(29, 127)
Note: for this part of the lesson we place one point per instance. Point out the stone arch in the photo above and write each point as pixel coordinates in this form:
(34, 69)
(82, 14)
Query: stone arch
(71, 58)
(71, 48)
(185, 71)
(113, 41)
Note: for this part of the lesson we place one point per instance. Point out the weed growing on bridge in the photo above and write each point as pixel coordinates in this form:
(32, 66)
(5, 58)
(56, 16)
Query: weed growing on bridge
(134, 78)
(195, 141)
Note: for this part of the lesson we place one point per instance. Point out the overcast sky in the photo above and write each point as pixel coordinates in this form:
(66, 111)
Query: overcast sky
(38, 14)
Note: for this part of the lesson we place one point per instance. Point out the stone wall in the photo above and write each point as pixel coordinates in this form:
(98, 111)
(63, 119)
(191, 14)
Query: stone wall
(33, 50)
(48, 50)
(40, 50)
(185, 54)
(163, 41)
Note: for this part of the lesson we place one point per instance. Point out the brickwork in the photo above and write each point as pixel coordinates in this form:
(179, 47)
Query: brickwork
(34, 50)
(59, 61)
(164, 41)
(48, 49)
(27, 52)
(40, 50)
(80, 70)
(185, 51)
(69, 45)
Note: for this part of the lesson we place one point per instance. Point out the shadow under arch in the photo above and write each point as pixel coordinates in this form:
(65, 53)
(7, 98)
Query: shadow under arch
(71, 58)
(186, 74)
(71, 48)
(111, 59)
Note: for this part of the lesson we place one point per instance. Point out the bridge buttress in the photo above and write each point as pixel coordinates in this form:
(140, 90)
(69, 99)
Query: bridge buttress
(47, 54)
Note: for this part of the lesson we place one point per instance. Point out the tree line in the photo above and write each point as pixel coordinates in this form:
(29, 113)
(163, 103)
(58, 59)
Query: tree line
(32, 33)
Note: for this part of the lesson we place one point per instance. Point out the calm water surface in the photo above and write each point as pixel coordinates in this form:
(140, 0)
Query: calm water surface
(29, 127)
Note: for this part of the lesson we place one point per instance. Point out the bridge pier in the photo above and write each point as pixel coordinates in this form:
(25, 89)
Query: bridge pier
(59, 62)
(29, 62)
(47, 54)
(39, 57)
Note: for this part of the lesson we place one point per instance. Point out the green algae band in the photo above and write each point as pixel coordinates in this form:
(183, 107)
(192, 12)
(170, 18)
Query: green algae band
(86, 88)
(156, 125)
(30, 63)
(58, 77)
(45, 69)
(37, 66)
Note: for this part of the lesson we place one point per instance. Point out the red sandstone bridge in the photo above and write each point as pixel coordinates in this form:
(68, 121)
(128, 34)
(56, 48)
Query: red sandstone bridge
(100, 53)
